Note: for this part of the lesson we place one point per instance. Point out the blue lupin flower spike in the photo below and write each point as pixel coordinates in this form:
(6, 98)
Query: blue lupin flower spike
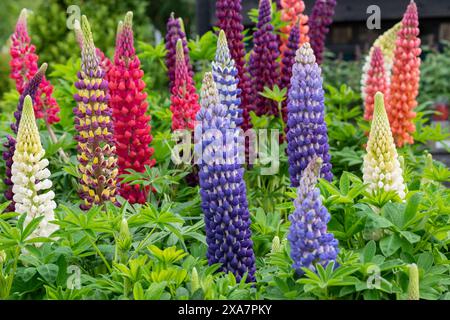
(310, 242)
(307, 130)
(222, 188)
(225, 76)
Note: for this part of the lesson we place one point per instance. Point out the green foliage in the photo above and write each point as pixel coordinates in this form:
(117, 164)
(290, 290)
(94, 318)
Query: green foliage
(55, 42)
(434, 85)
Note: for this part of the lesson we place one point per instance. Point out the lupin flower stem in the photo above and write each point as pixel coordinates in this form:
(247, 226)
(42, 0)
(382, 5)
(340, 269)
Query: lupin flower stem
(31, 89)
(310, 242)
(229, 19)
(96, 150)
(222, 188)
(404, 86)
(319, 22)
(30, 175)
(132, 131)
(381, 166)
(307, 131)
(263, 66)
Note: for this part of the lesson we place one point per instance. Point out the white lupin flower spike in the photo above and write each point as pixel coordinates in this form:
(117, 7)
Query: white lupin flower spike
(30, 175)
(381, 167)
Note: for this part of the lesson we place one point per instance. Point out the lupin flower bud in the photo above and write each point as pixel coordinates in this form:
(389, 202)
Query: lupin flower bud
(31, 89)
(225, 77)
(184, 99)
(413, 286)
(292, 12)
(319, 22)
(96, 150)
(307, 131)
(276, 245)
(386, 42)
(175, 31)
(287, 63)
(195, 281)
(405, 78)
(124, 239)
(229, 19)
(376, 82)
(30, 175)
(263, 66)
(24, 66)
(132, 131)
(222, 188)
(310, 242)
(381, 167)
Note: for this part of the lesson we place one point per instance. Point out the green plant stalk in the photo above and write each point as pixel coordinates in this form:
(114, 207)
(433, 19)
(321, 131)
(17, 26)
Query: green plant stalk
(54, 139)
(99, 253)
(5, 292)
(141, 244)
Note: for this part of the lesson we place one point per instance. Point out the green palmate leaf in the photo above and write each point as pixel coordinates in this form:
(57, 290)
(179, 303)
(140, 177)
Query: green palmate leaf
(374, 221)
(394, 212)
(411, 237)
(49, 272)
(412, 206)
(368, 252)
(276, 94)
(390, 244)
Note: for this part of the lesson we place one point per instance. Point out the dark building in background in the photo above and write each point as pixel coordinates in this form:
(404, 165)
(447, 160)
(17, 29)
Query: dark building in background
(349, 35)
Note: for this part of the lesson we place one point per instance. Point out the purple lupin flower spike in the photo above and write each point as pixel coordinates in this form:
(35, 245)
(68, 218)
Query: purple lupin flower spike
(319, 21)
(175, 31)
(222, 187)
(310, 243)
(10, 145)
(95, 132)
(229, 19)
(263, 66)
(287, 63)
(307, 131)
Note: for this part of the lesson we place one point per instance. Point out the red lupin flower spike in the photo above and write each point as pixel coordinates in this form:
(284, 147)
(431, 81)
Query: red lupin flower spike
(376, 82)
(132, 131)
(405, 78)
(184, 99)
(24, 65)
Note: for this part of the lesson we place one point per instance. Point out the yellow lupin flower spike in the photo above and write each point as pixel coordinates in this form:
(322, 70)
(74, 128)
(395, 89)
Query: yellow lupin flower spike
(381, 168)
